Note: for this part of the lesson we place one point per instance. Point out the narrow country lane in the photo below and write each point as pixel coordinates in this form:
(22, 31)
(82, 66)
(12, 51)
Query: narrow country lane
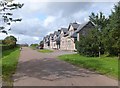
(43, 69)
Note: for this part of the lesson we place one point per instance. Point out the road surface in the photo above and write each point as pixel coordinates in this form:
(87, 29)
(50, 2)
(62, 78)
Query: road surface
(43, 69)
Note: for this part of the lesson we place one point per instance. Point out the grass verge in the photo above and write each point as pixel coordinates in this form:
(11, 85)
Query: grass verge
(45, 51)
(33, 47)
(104, 65)
(9, 62)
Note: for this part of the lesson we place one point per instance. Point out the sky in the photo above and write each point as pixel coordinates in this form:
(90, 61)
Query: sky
(40, 18)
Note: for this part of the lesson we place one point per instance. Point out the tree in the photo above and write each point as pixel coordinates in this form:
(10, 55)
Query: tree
(105, 37)
(10, 40)
(89, 43)
(6, 6)
(100, 22)
(113, 32)
(34, 45)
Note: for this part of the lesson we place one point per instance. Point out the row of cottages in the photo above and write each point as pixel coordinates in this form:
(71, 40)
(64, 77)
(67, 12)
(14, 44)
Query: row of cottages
(65, 38)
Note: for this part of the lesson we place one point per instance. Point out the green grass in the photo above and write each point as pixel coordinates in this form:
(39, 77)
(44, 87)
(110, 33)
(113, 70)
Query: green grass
(41, 50)
(45, 51)
(104, 65)
(33, 47)
(9, 62)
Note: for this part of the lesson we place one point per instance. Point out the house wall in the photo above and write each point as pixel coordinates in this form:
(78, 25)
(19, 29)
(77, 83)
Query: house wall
(51, 43)
(78, 37)
(54, 42)
(70, 44)
(63, 43)
(85, 30)
(54, 45)
(67, 43)
(46, 45)
(71, 30)
(70, 41)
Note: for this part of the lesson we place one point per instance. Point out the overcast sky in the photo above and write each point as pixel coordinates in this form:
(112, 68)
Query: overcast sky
(42, 18)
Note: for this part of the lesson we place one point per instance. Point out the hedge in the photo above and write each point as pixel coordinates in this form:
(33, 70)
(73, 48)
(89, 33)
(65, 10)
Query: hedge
(7, 47)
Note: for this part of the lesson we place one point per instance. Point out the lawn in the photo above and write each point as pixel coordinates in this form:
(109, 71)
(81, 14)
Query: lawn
(104, 65)
(45, 51)
(9, 62)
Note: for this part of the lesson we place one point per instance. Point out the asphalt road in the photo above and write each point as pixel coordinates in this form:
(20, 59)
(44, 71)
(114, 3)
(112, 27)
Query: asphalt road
(43, 69)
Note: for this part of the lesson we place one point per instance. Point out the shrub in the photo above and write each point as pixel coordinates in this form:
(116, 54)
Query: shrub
(89, 44)
(7, 47)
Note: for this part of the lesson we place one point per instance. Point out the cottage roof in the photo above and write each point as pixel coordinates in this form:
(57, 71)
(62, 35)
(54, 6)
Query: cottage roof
(83, 25)
(80, 28)
(75, 25)
(74, 35)
(58, 38)
(64, 30)
(56, 33)
(51, 35)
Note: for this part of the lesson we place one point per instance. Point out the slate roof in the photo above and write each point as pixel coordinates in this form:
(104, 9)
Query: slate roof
(80, 28)
(82, 25)
(51, 35)
(47, 38)
(66, 34)
(58, 38)
(65, 30)
(74, 25)
(56, 33)
(74, 35)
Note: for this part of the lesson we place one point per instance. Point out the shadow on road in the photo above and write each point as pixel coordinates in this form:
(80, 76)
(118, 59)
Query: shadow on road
(49, 69)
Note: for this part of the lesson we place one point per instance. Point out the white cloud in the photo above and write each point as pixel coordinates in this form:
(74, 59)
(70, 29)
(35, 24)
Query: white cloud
(81, 16)
(41, 18)
(2, 36)
(22, 39)
(49, 20)
(36, 38)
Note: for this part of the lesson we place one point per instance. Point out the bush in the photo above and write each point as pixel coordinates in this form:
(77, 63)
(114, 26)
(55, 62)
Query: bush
(7, 47)
(34, 45)
(89, 44)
